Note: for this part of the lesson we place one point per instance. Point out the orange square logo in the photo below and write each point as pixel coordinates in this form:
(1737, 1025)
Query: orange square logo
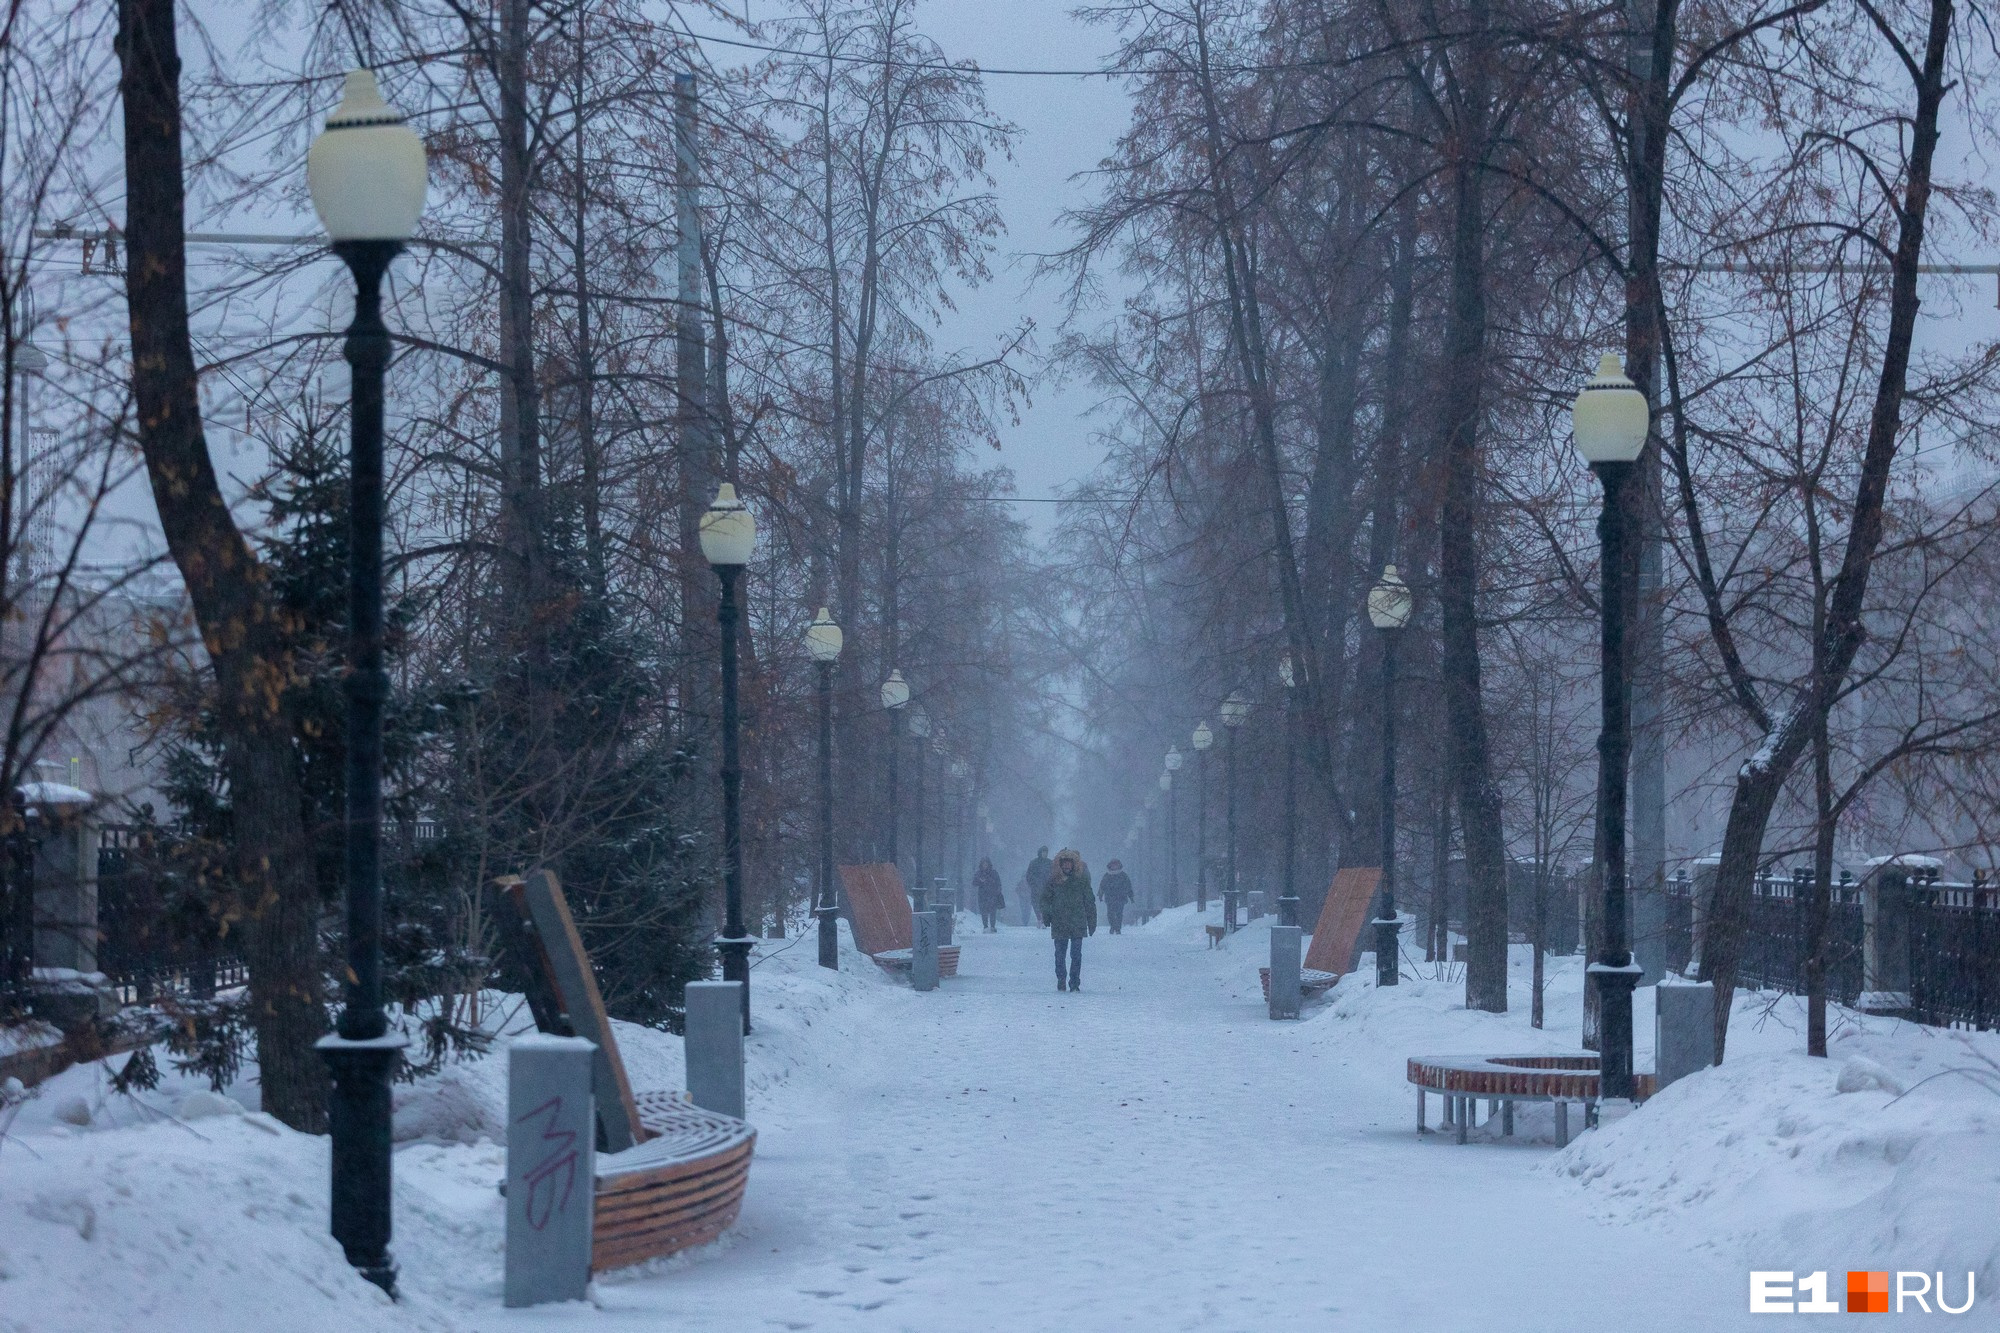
(1867, 1293)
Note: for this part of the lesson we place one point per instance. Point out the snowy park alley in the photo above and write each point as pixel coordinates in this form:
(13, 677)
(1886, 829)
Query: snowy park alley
(1152, 1153)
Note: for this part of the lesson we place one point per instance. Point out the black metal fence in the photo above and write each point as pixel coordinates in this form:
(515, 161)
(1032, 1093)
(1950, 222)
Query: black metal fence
(154, 941)
(1955, 954)
(1953, 940)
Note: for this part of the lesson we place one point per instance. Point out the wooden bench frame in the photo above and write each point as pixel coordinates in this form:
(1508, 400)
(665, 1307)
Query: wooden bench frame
(670, 1174)
(878, 912)
(1462, 1080)
(1336, 937)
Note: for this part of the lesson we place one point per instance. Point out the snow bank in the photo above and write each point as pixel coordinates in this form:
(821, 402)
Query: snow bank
(175, 1209)
(1768, 1158)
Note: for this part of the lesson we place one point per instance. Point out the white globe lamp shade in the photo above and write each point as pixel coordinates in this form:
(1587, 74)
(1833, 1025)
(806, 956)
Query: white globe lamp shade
(366, 168)
(1235, 709)
(823, 638)
(895, 691)
(728, 531)
(1389, 600)
(1203, 737)
(1610, 417)
(1175, 759)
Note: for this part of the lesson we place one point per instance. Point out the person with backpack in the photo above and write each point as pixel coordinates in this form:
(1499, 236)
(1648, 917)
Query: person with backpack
(986, 887)
(1116, 890)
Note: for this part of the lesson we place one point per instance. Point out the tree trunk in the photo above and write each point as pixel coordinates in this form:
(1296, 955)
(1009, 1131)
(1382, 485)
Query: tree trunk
(241, 629)
(1458, 552)
(1763, 776)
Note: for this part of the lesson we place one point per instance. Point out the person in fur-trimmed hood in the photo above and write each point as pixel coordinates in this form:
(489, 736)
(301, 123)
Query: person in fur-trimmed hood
(1070, 908)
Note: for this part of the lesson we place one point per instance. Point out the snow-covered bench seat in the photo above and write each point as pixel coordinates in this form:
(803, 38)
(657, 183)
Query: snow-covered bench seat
(682, 1186)
(1461, 1080)
(898, 960)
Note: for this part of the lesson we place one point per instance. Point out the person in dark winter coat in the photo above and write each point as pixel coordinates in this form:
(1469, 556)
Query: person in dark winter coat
(1034, 880)
(986, 884)
(1116, 890)
(1067, 905)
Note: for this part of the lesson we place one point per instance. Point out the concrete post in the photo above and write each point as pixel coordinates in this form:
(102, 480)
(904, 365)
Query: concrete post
(714, 1046)
(65, 878)
(1285, 947)
(924, 951)
(1885, 941)
(945, 904)
(1683, 1029)
(551, 1169)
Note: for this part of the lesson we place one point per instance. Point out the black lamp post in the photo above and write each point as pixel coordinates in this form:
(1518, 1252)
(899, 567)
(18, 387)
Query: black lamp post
(895, 694)
(919, 724)
(1389, 611)
(728, 540)
(1174, 760)
(1234, 710)
(366, 173)
(1288, 898)
(823, 641)
(1201, 740)
(1611, 419)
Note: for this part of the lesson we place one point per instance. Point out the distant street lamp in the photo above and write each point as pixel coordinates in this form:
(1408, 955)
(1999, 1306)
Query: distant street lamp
(919, 723)
(895, 695)
(1234, 710)
(728, 540)
(1288, 899)
(1174, 760)
(366, 173)
(1201, 740)
(1388, 610)
(1610, 419)
(1166, 839)
(823, 644)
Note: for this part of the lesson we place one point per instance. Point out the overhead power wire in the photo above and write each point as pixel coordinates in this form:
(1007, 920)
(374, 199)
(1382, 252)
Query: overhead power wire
(974, 67)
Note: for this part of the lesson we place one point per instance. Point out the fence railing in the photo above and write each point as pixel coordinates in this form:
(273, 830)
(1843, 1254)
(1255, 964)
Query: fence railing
(1953, 938)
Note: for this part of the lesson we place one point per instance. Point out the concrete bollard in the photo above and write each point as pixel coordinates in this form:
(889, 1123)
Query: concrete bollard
(1885, 941)
(1683, 1029)
(944, 902)
(1285, 946)
(551, 1169)
(714, 1046)
(924, 951)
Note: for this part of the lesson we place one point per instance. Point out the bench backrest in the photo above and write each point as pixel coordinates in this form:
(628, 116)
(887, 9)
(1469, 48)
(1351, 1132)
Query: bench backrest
(559, 954)
(878, 907)
(1341, 917)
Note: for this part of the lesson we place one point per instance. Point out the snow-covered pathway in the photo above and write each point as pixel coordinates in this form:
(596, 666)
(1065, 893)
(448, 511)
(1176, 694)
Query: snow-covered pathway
(1150, 1153)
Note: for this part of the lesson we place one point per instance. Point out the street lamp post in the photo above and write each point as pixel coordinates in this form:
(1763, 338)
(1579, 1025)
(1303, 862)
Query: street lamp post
(1201, 740)
(895, 694)
(920, 727)
(1167, 838)
(1174, 761)
(823, 643)
(1234, 710)
(1288, 900)
(728, 539)
(1610, 419)
(1389, 610)
(366, 173)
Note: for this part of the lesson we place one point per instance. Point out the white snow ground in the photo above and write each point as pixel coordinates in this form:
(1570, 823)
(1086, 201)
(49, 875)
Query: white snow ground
(1152, 1153)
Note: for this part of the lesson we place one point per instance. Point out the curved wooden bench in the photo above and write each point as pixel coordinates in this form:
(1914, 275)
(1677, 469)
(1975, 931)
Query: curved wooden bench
(898, 960)
(1312, 981)
(682, 1186)
(1505, 1079)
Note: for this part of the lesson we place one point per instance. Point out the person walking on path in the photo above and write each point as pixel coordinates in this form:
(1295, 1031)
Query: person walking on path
(1033, 882)
(986, 884)
(1067, 905)
(1116, 891)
